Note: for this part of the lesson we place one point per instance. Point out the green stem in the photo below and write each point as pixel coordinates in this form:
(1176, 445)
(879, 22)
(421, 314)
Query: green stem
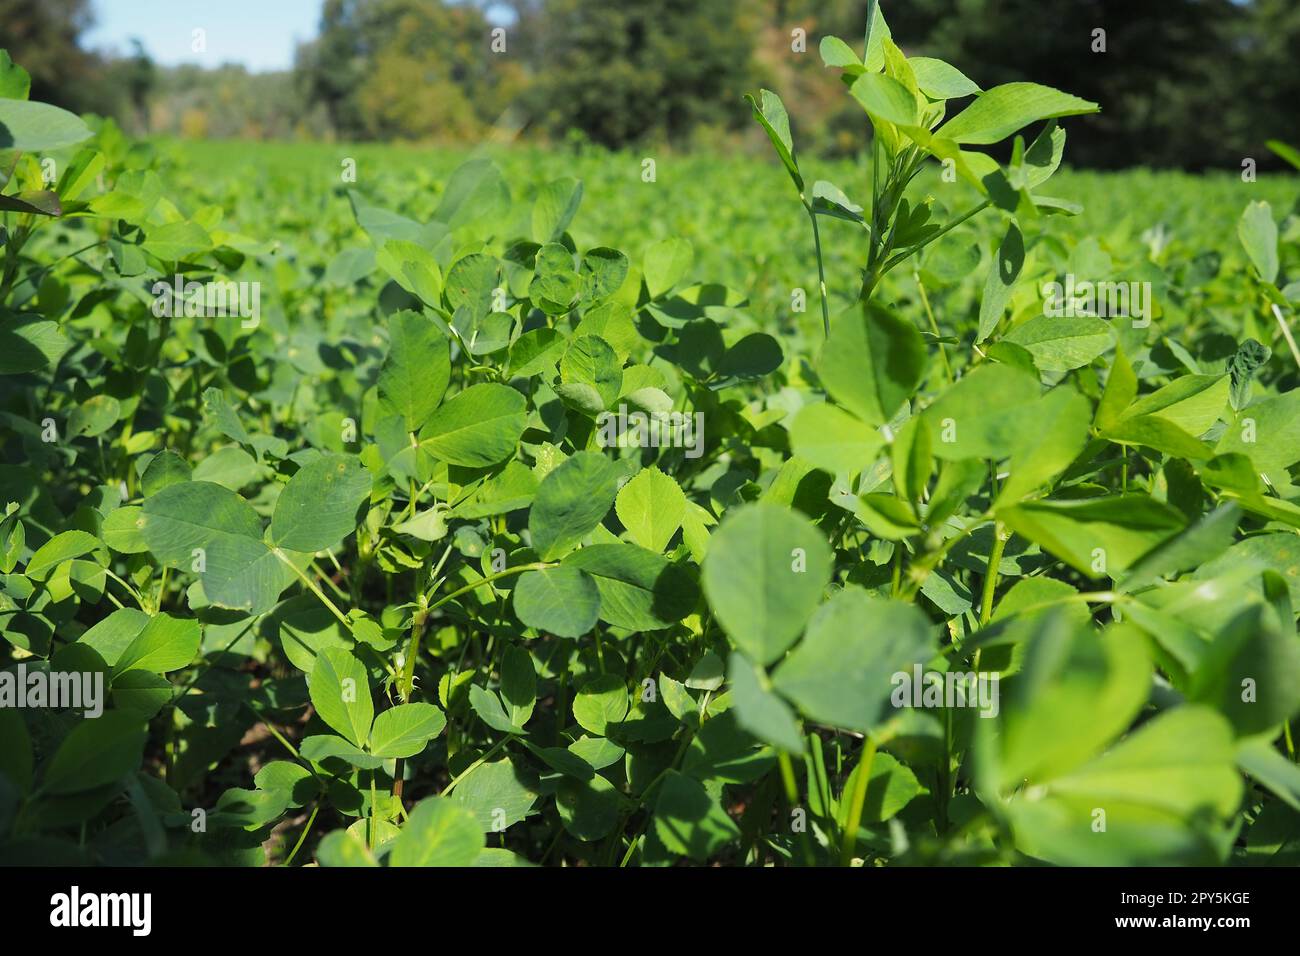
(32, 277)
(791, 785)
(821, 271)
(477, 763)
(315, 589)
(858, 799)
(910, 251)
(17, 239)
(787, 778)
(918, 572)
(1286, 334)
(559, 832)
(207, 666)
(536, 566)
(274, 733)
(406, 684)
(631, 848)
(645, 794)
(934, 326)
(338, 591)
(130, 590)
(873, 244)
(374, 809)
(162, 589)
(945, 767)
(1000, 538)
(302, 837)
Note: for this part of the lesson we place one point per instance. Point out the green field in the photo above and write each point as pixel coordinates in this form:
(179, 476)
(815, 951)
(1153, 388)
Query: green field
(372, 571)
(737, 210)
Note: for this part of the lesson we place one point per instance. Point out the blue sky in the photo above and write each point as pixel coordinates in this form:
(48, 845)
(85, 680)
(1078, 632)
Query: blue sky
(261, 34)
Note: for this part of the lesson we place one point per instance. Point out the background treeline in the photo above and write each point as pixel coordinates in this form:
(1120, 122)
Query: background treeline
(1190, 83)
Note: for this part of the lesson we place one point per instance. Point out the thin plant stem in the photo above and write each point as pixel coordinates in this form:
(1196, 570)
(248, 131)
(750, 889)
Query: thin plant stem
(274, 733)
(787, 778)
(821, 270)
(130, 590)
(857, 800)
(792, 797)
(374, 810)
(338, 591)
(913, 250)
(919, 571)
(1000, 538)
(315, 589)
(406, 682)
(477, 763)
(934, 326)
(650, 788)
(1286, 334)
(536, 566)
(302, 837)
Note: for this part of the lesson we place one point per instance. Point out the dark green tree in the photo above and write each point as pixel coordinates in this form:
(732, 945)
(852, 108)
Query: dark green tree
(1266, 46)
(330, 68)
(625, 70)
(1170, 79)
(44, 37)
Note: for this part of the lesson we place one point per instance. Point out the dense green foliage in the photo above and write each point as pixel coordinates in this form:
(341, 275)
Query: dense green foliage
(1187, 83)
(625, 72)
(369, 580)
